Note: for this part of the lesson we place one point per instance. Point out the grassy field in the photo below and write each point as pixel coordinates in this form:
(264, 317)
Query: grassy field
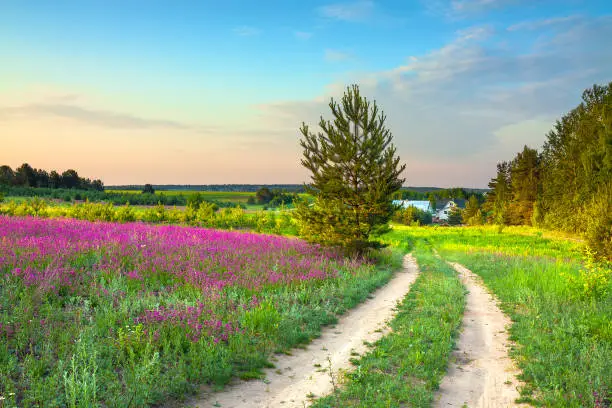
(132, 314)
(271, 221)
(560, 304)
(233, 196)
(238, 197)
(138, 299)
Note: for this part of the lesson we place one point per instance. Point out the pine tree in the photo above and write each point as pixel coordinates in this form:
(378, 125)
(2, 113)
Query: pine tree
(455, 217)
(472, 214)
(354, 173)
(500, 194)
(525, 176)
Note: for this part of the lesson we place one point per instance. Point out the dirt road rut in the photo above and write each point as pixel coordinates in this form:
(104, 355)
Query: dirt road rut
(305, 374)
(482, 374)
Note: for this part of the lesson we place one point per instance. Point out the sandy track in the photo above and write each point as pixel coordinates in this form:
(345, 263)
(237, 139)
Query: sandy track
(482, 374)
(301, 375)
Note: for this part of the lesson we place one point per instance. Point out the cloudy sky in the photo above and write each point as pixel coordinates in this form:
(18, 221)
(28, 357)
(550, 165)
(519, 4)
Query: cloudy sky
(199, 92)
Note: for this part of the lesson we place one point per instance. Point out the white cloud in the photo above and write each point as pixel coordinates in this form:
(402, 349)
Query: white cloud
(355, 11)
(303, 35)
(474, 102)
(459, 9)
(477, 5)
(547, 22)
(246, 31)
(336, 56)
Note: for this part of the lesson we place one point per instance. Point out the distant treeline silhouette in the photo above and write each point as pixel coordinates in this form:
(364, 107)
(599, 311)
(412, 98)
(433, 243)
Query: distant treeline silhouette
(290, 188)
(27, 176)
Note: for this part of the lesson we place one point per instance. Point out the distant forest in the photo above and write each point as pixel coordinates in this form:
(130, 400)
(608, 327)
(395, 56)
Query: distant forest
(251, 188)
(405, 193)
(27, 176)
(567, 185)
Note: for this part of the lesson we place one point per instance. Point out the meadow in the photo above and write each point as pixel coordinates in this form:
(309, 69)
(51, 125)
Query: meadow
(559, 300)
(233, 196)
(100, 313)
(122, 306)
(205, 215)
(169, 198)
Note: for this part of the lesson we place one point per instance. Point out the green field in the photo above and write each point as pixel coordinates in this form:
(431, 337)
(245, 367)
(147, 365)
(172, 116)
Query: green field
(560, 303)
(233, 196)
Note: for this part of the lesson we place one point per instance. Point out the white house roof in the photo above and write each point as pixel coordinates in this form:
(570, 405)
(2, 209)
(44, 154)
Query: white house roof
(421, 205)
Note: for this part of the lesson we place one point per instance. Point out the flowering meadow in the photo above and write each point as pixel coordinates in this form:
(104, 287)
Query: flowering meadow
(131, 314)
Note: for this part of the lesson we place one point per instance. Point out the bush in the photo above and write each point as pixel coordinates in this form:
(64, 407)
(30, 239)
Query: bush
(412, 216)
(594, 279)
(598, 231)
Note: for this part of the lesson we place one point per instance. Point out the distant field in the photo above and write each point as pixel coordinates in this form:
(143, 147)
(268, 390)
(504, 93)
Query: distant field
(238, 197)
(235, 196)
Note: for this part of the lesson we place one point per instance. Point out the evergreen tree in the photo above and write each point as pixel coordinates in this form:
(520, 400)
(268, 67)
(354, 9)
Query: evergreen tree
(524, 175)
(55, 180)
(7, 175)
(472, 215)
(354, 173)
(455, 217)
(569, 185)
(500, 194)
(432, 201)
(71, 179)
(25, 176)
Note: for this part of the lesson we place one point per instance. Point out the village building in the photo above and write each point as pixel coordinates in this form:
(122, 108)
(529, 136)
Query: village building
(440, 213)
(444, 208)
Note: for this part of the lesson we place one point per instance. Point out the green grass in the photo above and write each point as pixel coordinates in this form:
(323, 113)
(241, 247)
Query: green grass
(561, 310)
(405, 367)
(276, 222)
(83, 347)
(560, 305)
(565, 343)
(238, 197)
(234, 196)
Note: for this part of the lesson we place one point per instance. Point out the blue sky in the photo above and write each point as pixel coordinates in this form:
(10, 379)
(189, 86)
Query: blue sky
(214, 92)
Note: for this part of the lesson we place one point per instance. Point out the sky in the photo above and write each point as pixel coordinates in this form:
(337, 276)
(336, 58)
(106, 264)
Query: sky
(214, 92)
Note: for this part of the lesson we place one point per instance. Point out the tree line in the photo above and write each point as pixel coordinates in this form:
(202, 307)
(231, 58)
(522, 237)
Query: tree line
(438, 194)
(27, 176)
(567, 185)
(251, 188)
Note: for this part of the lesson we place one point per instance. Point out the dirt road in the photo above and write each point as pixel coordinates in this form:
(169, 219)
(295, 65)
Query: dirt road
(305, 374)
(482, 374)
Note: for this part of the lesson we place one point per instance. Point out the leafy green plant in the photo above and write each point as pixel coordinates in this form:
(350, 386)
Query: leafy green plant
(80, 377)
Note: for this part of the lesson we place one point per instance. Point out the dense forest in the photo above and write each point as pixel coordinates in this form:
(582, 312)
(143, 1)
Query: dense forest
(27, 176)
(567, 185)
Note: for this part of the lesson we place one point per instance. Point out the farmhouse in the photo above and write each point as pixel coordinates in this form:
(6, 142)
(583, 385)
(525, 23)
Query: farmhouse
(444, 208)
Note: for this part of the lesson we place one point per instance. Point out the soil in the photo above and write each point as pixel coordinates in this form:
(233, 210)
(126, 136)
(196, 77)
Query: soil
(480, 373)
(313, 371)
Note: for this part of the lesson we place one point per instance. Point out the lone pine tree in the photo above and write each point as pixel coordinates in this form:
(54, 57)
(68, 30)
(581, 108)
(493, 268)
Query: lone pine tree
(354, 172)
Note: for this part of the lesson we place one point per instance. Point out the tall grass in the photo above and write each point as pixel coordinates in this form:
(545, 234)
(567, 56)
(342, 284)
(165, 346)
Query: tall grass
(106, 314)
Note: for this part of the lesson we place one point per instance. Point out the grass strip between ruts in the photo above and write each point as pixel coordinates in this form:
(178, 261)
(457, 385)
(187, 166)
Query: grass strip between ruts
(405, 367)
